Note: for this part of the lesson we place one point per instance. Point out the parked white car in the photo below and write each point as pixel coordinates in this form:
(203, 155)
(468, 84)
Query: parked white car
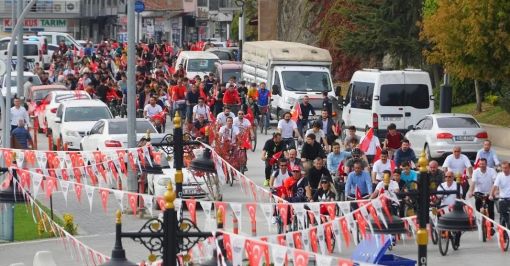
(112, 134)
(76, 117)
(157, 184)
(52, 101)
(14, 85)
(437, 134)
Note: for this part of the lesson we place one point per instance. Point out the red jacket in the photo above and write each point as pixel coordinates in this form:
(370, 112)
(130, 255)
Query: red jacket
(231, 97)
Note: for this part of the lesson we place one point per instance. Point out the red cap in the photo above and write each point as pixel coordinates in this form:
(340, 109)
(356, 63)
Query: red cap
(296, 168)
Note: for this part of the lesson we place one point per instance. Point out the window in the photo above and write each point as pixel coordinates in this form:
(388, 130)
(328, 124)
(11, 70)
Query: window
(362, 93)
(74, 114)
(227, 73)
(35, 80)
(201, 65)
(73, 96)
(457, 122)
(28, 50)
(214, 5)
(49, 38)
(4, 44)
(65, 39)
(277, 83)
(202, 3)
(120, 127)
(348, 95)
(306, 81)
(428, 123)
(96, 127)
(414, 95)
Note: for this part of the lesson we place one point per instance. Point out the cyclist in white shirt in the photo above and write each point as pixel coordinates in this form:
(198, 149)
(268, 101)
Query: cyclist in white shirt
(502, 184)
(229, 132)
(392, 186)
(458, 163)
(221, 119)
(243, 123)
(286, 127)
(483, 180)
(380, 166)
(319, 134)
(152, 108)
(448, 185)
(280, 174)
(200, 109)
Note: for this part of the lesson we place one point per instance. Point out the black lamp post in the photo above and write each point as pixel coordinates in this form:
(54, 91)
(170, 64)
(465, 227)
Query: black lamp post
(456, 220)
(169, 236)
(9, 196)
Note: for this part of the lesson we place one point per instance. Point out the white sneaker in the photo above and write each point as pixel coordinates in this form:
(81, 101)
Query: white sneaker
(273, 220)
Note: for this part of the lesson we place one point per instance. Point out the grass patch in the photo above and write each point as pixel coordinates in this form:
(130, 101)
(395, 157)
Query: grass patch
(491, 114)
(24, 226)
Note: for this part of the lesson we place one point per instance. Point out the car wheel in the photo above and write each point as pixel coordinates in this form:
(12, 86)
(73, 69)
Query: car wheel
(427, 152)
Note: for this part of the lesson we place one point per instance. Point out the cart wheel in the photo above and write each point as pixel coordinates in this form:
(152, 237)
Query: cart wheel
(444, 241)
(455, 240)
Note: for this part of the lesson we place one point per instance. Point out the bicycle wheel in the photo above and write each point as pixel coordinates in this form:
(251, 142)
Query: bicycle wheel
(254, 140)
(455, 240)
(266, 122)
(444, 241)
(484, 230)
(433, 233)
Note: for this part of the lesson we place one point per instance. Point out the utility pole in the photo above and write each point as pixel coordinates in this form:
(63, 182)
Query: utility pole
(20, 63)
(131, 92)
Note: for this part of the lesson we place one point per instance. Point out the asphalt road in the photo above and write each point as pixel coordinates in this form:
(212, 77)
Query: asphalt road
(96, 228)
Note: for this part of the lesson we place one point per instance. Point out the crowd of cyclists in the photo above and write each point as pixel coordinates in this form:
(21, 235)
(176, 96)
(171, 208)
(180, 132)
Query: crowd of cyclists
(305, 159)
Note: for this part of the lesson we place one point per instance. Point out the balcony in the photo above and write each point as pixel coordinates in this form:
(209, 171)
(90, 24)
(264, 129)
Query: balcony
(71, 7)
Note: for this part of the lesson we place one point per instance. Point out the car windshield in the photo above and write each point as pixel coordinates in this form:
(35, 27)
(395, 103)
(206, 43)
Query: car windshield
(457, 122)
(223, 55)
(35, 80)
(28, 50)
(89, 113)
(71, 96)
(201, 65)
(228, 73)
(306, 81)
(40, 94)
(120, 127)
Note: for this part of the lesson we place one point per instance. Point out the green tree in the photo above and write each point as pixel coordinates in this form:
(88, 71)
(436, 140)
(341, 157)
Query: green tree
(251, 31)
(471, 39)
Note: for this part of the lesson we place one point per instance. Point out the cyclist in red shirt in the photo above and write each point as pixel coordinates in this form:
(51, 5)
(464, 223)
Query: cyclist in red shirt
(178, 96)
(231, 98)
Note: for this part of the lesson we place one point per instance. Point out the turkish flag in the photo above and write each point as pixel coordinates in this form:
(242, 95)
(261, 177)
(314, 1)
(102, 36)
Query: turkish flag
(255, 250)
(366, 140)
(64, 173)
(161, 203)
(345, 230)
(298, 243)
(7, 181)
(377, 155)
(358, 193)
(250, 116)
(228, 246)
(8, 158)
(373, 213)
(132, 200)
(300, 258)
(113, 170)
(252, 211)
(477, 163)
(313, 239)
(131, 160)
(393, 166)
(191, 204)
(295, 112)
(77, 189)
(30, 156)
(121, 155)
(104, 194)
(283, 211)
(345, 262)
(328, 231)
(340, 169)
(90, 172)
(275, 157)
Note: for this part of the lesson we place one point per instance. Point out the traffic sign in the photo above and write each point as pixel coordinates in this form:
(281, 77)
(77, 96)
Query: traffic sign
(139, 6)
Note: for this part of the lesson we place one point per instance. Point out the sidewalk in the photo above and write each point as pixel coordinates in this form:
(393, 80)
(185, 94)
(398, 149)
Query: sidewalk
(500, 136)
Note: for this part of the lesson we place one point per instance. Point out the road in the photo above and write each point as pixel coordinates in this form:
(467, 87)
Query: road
(96, 228)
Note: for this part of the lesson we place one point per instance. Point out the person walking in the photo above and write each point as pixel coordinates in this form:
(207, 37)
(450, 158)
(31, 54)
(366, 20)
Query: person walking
(20, 137)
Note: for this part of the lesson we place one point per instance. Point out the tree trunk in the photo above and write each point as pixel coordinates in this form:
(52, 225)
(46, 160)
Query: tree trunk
(478, 97)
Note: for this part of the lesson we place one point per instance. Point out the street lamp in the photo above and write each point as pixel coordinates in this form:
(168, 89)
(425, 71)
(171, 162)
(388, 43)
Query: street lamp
(242, 35)
(167, 237)
(9, 196)
(457, 220)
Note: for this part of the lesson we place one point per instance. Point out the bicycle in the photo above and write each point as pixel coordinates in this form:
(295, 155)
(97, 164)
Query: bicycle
(504, 220)
(483, 210)
(263, 115)
(445, 237)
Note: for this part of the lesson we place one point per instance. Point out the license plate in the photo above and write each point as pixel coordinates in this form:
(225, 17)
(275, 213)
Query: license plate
(464, 138)
(391, 118)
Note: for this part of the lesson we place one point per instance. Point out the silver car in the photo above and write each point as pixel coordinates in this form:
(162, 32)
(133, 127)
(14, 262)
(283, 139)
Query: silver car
(437, 134)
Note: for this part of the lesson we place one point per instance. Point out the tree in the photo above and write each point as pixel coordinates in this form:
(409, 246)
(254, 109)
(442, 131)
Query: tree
(471, 39)
(251, 32)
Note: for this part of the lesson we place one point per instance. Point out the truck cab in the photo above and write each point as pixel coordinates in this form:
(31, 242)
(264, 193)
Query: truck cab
(291, 71)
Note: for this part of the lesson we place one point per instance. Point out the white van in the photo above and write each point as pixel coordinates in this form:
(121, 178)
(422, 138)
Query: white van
(33, 50)
(196, 63)
(56, 37)
(378, 98)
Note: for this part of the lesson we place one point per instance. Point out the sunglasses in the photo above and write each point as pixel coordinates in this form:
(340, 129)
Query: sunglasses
(448, 176)
(283, 165)
(296, 171)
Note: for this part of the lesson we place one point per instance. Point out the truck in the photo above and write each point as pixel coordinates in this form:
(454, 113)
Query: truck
(291, 70)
